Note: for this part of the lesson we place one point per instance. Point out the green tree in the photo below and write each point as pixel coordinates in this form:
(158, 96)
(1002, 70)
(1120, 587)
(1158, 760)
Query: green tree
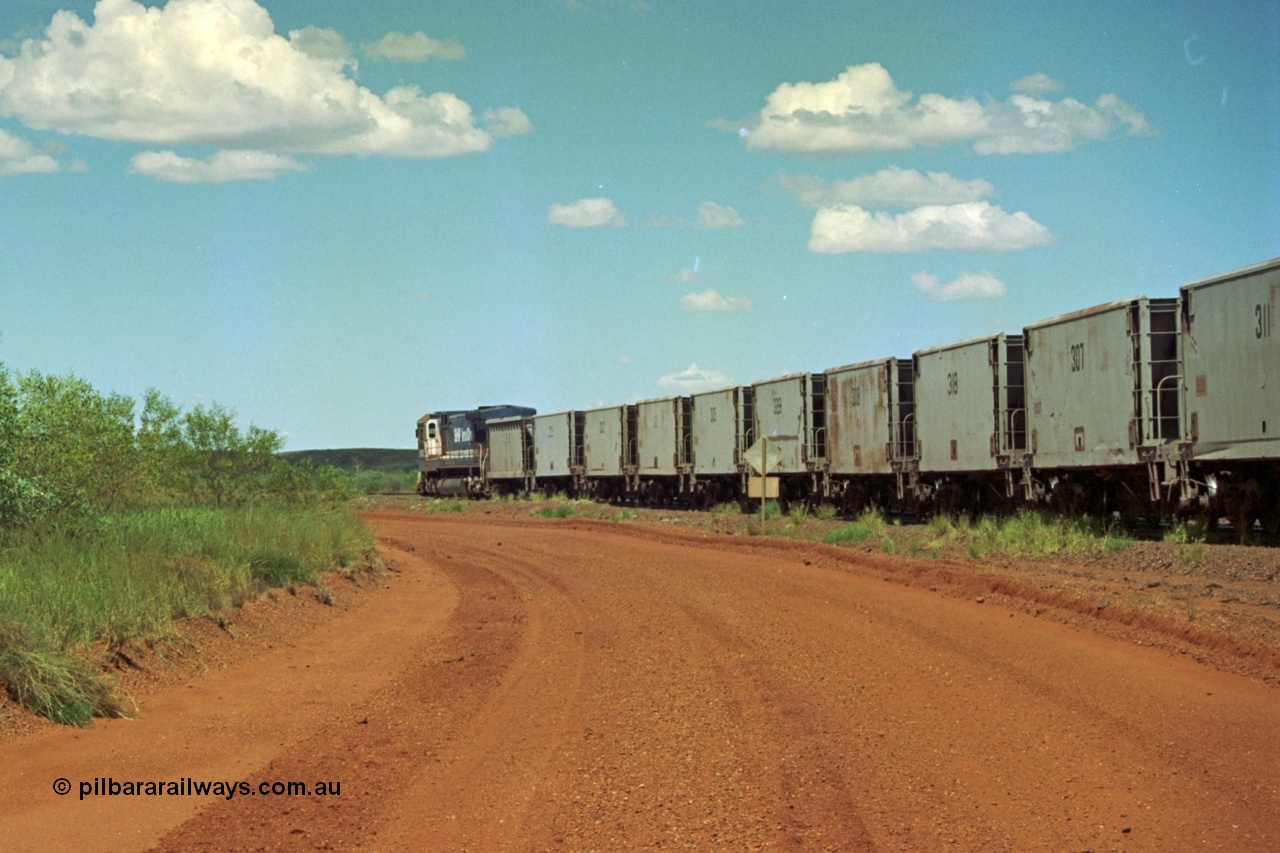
(161, 449)
(21, 501)
(222, 462)
(303, 482)
(73, 443)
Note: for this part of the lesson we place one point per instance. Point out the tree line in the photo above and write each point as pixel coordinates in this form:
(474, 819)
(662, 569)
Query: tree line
(67, 450)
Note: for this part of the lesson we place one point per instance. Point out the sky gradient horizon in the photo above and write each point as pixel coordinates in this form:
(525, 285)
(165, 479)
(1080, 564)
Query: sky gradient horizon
(333, 218)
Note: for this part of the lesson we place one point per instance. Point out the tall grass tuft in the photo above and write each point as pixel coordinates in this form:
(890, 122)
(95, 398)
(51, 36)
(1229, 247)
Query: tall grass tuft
(1189, 537)
(49, 682)
(117, 578)
(1026, 534)
(868, 525)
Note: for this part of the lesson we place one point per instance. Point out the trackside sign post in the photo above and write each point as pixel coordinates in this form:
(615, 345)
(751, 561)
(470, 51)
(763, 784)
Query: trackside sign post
(762, 462)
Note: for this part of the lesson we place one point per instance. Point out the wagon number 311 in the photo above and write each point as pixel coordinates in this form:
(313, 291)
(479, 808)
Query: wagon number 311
(1262, 311)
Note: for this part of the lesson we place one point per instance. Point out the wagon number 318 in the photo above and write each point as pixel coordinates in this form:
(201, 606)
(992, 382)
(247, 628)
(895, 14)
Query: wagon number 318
(1077, 358)
(1262, 311)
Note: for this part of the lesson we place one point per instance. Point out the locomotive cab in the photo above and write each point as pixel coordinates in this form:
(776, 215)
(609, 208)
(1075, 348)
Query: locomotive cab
(429, 444)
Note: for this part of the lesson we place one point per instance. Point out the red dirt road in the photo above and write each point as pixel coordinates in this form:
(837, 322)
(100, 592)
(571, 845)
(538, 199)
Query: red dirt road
(528, 685)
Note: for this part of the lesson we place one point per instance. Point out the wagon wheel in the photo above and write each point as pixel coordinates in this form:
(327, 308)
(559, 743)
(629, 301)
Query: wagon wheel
(1248, 498)
(852, 500)
(1271, 511)
(1271, 519)
(1069, 498)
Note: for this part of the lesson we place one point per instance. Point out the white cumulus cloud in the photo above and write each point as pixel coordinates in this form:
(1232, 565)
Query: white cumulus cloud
(412, 47)
(323, 44)
(20, 157)
(892, 186)
(693, 379)
(684, 275)
(506, 121)
(971, 227)
(215, 73)
(223, 167)
(710, 300)
(862, 111)
(979, 285)
(587, 213)
(1036, 84)
(712, 215)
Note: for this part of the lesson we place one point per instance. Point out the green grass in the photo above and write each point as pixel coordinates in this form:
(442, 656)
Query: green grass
(870, 524)
(1026, 534)
(126, 577)
(560, 506)
(55, 685)
(557, 511)
(1189, 537)
(851, 534)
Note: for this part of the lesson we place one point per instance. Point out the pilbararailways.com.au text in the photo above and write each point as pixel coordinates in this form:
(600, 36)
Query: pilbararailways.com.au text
(188, 787)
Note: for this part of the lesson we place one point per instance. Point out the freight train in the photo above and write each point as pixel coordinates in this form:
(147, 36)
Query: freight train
(1143, 407)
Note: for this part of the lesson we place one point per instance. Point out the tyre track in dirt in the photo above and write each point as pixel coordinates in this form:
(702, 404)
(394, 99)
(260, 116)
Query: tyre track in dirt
(530, 685)
(751, 701)
(485, 700)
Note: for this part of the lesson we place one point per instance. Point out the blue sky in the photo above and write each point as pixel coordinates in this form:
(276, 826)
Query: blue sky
(333, 217)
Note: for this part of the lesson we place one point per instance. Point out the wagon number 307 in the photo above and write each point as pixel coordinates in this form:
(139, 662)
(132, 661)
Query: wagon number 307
(1262, 312)
(1077, 358)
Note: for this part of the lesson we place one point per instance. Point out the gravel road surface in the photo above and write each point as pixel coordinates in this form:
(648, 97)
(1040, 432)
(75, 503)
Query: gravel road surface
(520, 684)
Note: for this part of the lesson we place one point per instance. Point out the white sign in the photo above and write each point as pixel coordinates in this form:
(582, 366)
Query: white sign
(772, 456)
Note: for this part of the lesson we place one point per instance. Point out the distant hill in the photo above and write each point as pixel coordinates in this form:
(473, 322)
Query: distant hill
(359, 459)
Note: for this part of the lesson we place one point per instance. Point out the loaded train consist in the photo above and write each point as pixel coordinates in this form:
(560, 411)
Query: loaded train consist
(1143, 407)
